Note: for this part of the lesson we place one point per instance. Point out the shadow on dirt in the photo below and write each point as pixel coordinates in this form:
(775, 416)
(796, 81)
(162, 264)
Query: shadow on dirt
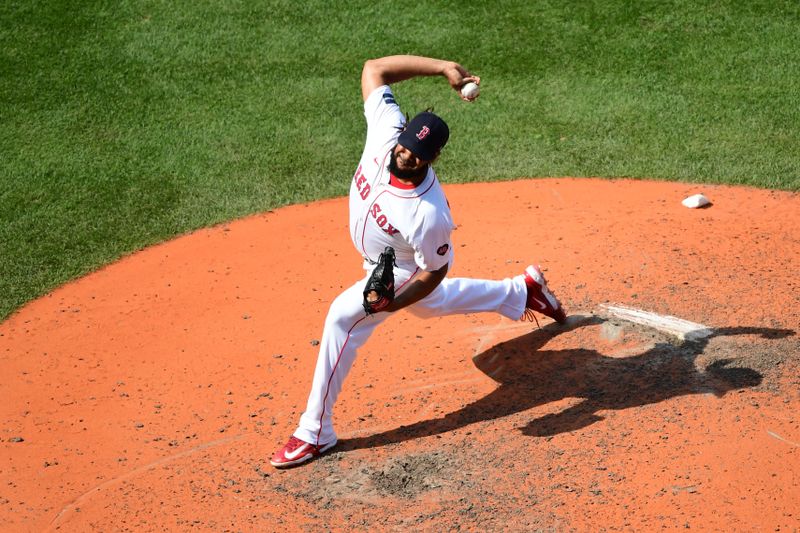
(530, 375)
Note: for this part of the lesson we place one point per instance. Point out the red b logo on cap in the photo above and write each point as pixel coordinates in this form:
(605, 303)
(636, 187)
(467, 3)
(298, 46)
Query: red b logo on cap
(423, 132)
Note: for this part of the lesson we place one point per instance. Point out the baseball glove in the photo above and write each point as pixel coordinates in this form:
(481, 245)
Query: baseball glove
(379, 291)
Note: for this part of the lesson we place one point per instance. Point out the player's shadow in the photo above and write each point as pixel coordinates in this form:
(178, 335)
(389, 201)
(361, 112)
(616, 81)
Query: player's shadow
(531, 376)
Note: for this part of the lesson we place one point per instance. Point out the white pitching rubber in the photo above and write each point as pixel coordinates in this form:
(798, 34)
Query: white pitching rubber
(677, 327)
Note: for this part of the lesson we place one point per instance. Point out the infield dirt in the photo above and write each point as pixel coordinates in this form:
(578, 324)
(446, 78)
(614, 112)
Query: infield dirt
(151, 394)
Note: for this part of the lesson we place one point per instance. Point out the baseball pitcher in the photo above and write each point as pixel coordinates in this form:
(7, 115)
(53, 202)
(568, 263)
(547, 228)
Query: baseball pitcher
(400, 225)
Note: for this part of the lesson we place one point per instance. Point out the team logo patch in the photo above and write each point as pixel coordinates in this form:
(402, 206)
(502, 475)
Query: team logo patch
(423, 132)
(443, 249)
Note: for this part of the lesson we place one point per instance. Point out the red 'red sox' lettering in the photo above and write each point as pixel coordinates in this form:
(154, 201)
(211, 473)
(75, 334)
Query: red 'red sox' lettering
(361, 183)
(382, 221)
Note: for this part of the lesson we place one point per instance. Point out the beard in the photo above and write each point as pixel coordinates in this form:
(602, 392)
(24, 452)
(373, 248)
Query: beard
(409, 174)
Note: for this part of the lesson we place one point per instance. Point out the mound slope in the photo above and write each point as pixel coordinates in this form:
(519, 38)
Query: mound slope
(150, 394)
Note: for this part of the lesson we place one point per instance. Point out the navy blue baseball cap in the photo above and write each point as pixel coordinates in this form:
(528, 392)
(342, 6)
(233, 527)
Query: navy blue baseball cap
(425, 135)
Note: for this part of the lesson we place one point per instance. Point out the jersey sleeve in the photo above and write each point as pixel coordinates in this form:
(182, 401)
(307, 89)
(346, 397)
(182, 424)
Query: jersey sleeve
(384, 118)
(434, 249)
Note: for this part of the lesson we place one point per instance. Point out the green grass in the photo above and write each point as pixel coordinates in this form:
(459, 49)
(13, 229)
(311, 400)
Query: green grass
(126, 123)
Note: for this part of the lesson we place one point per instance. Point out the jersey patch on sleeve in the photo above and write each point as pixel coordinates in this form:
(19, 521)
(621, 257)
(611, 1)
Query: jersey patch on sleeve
(389, 98)
(443, 249)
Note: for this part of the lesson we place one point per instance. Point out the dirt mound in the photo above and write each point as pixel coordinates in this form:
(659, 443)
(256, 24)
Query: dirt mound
(406, 476)
(150, 395)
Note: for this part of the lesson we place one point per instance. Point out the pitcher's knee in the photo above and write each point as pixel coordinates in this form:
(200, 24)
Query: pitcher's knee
(342, 314)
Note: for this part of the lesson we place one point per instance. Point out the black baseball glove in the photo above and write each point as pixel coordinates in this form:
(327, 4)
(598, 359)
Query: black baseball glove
(379, 291)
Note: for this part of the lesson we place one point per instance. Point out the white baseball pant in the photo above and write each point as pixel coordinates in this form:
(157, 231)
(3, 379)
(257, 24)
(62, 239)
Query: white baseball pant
(347, 328)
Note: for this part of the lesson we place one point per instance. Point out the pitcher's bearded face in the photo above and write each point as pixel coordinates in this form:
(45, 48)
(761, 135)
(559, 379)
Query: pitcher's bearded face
(405, 165)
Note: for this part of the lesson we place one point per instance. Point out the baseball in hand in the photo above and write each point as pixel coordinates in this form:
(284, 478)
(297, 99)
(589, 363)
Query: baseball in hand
(470, 90)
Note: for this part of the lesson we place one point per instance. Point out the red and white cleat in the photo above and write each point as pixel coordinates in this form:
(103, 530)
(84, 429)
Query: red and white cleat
(297, 451)
(540, 299)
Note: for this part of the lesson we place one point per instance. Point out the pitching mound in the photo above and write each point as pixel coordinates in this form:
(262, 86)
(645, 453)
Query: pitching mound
(150, 395)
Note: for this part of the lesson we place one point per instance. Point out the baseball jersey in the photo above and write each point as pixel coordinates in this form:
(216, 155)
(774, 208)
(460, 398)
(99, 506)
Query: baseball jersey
(415, 221)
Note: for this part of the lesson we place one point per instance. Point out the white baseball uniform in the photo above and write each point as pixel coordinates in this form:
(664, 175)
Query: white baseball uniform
(416, 222)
